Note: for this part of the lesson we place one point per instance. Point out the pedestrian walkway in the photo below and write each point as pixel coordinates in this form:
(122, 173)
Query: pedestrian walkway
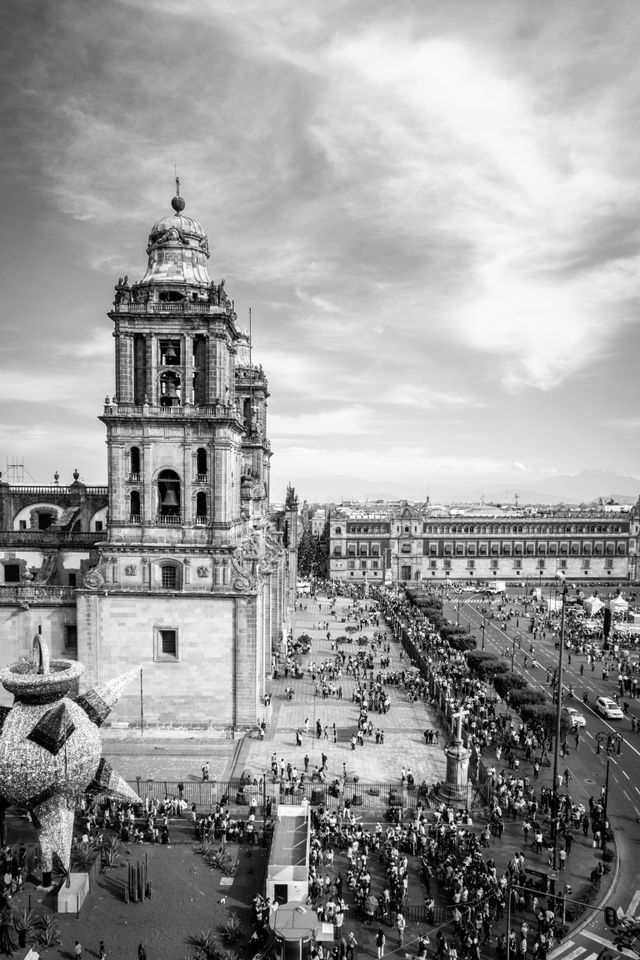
(403, 725)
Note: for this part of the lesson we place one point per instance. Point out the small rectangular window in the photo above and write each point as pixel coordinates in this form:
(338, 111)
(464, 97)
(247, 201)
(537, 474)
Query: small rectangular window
(165, 643)
(99, 526)
(12, 573)
(23, 524)
(169, 578)
(73, 579)
(71, 638)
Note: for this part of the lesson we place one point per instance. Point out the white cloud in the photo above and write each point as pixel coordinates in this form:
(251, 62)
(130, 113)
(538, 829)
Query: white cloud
(356, 421)
(413, 395)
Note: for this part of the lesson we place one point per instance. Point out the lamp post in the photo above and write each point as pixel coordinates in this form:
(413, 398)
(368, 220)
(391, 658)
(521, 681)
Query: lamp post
(484, 623)
(556, 752)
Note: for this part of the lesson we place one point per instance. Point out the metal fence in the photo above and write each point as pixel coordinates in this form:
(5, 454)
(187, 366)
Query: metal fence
(377, 799)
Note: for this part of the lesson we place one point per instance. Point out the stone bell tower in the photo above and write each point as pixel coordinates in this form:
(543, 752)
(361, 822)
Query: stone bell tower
(190, 578)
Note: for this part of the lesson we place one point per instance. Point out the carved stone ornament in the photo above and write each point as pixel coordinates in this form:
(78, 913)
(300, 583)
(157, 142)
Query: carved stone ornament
(243, 579)
(203, 572)
(251, 548)
(131, 569)
(94, 579)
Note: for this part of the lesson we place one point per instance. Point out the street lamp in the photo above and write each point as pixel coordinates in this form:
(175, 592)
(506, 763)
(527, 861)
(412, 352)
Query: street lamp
(556, 753)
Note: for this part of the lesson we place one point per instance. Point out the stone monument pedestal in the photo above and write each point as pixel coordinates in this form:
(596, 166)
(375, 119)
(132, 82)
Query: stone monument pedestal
(456, 788)
(72, 895)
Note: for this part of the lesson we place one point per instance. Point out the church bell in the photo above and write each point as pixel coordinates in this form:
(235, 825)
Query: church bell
(171, 392)
(170, 356)
(170, 499)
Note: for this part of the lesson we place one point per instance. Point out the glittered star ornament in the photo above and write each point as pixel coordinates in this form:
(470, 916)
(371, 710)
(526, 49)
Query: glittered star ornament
(50, 747)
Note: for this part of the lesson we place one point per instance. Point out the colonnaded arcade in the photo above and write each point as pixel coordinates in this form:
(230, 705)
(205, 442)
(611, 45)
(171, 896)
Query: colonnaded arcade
(418, 543)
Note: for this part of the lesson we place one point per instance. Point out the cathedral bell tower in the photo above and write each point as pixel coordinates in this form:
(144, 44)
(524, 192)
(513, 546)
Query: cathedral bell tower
(190, 582)
(174, 428)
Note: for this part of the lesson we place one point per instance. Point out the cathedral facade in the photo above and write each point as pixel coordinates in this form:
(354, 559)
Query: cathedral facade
(182, 575)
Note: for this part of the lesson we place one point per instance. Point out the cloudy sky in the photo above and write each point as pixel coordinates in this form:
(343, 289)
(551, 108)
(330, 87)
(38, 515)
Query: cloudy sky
(432, 208)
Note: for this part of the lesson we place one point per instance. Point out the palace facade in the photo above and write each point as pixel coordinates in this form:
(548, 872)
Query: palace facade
(410, 544)
(175, 568)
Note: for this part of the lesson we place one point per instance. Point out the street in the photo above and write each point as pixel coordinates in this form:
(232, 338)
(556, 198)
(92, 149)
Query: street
(588, 766)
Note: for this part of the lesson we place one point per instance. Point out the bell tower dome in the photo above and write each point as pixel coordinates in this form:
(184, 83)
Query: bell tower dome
(174, 424)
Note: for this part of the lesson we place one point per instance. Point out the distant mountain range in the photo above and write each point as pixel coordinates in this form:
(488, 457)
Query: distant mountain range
(583, 487)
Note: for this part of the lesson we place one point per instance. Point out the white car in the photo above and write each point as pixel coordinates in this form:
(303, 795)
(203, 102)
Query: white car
(575, 717)
(608, 708)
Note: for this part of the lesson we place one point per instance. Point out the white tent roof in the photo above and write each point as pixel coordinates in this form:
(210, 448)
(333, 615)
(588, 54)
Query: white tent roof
(592, 605)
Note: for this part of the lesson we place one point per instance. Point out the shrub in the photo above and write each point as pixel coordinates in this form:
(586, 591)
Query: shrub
(8, 939)
(205, 945)
(26, 922)
(231, 931)
(518, 698)
(537, 713)
(464, 643)
(509, 681)
(111, 852)
(49, 932)
(484, 664)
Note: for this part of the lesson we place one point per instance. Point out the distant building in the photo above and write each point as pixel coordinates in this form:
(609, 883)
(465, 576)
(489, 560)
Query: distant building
(175, 566)
(413, 543)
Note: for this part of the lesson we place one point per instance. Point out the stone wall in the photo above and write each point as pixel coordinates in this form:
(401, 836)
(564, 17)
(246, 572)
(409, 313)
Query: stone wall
(118, 633)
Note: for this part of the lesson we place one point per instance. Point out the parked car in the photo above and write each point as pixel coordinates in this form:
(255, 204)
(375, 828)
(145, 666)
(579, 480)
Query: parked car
(608, 708)
(576, 719)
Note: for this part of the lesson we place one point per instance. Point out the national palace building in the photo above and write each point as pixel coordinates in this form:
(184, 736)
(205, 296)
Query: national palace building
(175, 568)
(419, 543)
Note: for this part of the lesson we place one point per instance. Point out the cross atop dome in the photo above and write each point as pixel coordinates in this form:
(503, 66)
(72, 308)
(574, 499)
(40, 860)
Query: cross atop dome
(177, 202)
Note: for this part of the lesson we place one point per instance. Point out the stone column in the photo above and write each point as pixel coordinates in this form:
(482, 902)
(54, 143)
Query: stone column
(126, 369)
(455, 789)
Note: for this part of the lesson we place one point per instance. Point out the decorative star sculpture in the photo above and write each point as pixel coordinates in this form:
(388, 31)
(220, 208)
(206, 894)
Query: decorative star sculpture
(50, 747)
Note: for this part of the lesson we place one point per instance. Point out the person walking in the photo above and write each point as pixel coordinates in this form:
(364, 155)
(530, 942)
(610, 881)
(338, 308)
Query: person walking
(351, 944)
(380, 942)
(102, 953)
(77, 950)
(205, 771)
(400, 925)
(142, 953)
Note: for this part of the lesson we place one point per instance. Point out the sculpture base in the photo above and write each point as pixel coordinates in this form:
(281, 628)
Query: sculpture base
(73, 893)
(454, 794)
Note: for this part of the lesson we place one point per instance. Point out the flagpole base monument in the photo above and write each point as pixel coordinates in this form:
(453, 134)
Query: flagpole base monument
(455, 790)
(51, 750)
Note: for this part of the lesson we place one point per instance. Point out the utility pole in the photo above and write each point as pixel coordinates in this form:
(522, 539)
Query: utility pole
(556, 753)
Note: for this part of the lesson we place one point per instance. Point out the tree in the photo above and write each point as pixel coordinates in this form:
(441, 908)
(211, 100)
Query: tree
(311, 557)
(509, 681)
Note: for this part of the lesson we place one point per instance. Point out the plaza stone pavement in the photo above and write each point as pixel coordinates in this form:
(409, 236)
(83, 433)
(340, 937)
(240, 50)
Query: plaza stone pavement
(403, 725)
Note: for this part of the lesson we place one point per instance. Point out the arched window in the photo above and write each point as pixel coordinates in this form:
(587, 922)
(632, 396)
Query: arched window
(168, 496)
(134, 507)
(169, 576)
(134, 463)
(201, 464)
(338, 531)
(201, 508)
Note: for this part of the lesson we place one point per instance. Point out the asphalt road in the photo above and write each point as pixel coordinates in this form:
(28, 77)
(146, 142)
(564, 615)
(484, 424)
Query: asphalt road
(587, 766)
